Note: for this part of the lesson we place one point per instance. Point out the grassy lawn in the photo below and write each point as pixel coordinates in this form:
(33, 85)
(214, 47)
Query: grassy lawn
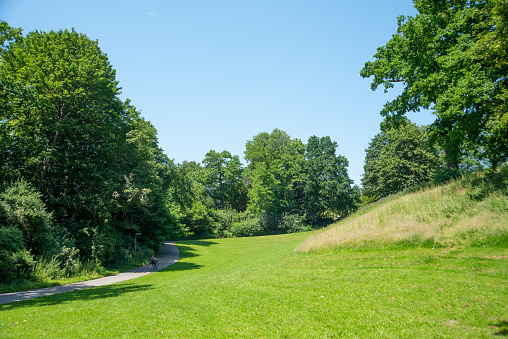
(261, 288)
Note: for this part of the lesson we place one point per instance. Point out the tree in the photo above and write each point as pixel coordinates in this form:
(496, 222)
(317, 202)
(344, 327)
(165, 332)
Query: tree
(195, 205)
(275, 166)
(397, 159)
(140, 185)
(63, 141)
(8, 34)
(326, 184)
(451, 58)
(93, 159)
(223, 175)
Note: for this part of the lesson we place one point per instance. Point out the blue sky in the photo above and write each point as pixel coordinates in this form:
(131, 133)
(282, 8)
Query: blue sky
(212, 74)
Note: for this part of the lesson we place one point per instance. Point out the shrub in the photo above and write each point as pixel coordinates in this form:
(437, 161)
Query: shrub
(22, 207)
(291, 223)
(247, 228)
(270, 222)
(67, 259)
(47, 269)
(17, 266)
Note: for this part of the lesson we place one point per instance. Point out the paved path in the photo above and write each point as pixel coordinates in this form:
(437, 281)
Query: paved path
(168, 255)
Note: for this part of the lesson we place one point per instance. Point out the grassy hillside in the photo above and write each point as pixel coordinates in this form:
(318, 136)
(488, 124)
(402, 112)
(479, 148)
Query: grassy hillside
(472, 211)
(262, 288)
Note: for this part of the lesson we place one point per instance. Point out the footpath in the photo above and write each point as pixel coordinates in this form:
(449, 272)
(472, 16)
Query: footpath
(168, 255)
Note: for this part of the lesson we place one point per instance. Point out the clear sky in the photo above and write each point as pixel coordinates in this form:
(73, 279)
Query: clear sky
(212, 74)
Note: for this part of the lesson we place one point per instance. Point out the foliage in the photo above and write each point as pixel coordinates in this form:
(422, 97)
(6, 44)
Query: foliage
(452, 58)
(24, 219)
(200, 220)
(222, 174)
(249, 226)
(275, 165)
(398, 158)
(444, 175)
(25, 230)
(326, 185)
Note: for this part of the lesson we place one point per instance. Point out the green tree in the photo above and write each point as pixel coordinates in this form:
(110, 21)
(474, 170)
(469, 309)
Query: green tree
(62, 142)
(222, 174)
(8, 34)
(397, 159)
(275, 168)
(197, 214)
(326, 184)
(95, 161)
(451, 58)
(140, 186)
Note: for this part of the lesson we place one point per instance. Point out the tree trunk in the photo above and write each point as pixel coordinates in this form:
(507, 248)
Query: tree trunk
(450, 164)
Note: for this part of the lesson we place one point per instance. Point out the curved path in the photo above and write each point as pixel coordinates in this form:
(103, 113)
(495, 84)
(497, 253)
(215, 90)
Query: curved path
(168, 255)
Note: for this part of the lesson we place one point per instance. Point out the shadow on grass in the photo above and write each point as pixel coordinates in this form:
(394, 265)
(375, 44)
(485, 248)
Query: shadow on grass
(103, 292)
(196, 242)
(187, 251)
(502, 326)
(182, 266)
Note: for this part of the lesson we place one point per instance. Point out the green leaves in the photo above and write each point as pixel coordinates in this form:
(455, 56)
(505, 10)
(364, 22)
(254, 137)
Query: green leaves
(222, 174)
(326, 184)
(397, 159)
(275, 163)
(449, 59)
(93, 159)
(290, 177)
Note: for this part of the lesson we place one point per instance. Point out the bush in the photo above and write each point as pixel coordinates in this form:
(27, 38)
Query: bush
(270, 222)
(16, 266)
(22, 207)
(292, 223)
(47, 269)
(199, 220)
(67, 259)
(247, 228)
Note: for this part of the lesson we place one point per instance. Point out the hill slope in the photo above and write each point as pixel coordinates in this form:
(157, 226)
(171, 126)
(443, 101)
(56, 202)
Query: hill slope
(471, 211)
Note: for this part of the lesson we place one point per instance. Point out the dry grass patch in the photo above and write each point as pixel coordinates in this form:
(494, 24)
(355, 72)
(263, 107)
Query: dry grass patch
(472, 211)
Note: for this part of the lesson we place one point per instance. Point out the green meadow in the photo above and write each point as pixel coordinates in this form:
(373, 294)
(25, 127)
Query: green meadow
(261, 288)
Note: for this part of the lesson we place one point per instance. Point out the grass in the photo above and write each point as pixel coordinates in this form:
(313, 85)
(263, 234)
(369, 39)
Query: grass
(261, 288)
(472, 211)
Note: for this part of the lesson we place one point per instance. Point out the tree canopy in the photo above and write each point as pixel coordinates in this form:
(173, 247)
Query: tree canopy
(275, 163)
(92, 158)
(398, 158)
(326, 184)
(451, 58)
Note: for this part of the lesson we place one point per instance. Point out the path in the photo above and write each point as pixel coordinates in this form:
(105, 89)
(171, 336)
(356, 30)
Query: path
(168, 255)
